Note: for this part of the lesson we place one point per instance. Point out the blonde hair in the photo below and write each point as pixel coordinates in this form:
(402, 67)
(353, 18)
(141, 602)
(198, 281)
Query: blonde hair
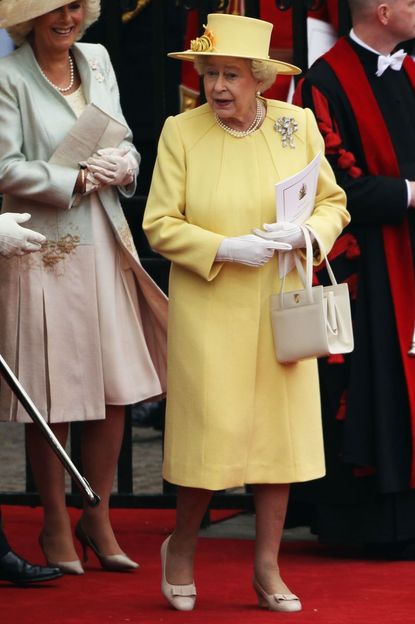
(20, 32)
(265, 72)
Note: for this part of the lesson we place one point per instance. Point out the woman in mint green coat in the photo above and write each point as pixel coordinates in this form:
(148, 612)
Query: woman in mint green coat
(235, 415)
(85, 326)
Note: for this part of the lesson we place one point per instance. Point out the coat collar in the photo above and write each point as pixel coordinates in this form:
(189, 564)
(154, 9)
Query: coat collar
(87, 65)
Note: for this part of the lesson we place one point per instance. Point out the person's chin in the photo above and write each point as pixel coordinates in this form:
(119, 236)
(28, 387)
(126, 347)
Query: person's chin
(62, 44)
(223, 110)
(64, 41)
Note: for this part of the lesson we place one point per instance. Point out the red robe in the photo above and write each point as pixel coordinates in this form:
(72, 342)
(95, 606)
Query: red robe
(369, 134)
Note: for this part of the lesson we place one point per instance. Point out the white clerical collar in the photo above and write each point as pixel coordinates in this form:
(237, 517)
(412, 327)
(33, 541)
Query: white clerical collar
(356, 39)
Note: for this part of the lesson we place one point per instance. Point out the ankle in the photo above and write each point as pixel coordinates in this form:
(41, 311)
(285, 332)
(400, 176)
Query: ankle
(269, 578)
(179, 562)
(57, 547)
(99, 532)
(182, 545)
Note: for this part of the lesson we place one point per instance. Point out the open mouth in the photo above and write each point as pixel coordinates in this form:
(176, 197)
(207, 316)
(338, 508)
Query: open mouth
(222, 103)
(63, 32)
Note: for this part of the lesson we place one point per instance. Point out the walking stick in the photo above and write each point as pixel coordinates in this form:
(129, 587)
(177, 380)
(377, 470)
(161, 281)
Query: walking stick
(35, 415)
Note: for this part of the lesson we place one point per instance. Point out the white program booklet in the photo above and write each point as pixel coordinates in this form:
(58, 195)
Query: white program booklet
(94, 129)
(295, 198)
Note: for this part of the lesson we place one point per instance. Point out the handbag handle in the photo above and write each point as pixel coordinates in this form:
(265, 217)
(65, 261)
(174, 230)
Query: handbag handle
(307, 276)
(323, 253)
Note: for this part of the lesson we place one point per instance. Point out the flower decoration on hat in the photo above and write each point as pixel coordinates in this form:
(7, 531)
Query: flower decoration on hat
(286, 126)
(205, 43)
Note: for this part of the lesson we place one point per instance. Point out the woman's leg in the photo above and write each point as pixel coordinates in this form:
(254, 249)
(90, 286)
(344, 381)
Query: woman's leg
(192, 504)
(271, 506)
(49, 477)
(100, 448)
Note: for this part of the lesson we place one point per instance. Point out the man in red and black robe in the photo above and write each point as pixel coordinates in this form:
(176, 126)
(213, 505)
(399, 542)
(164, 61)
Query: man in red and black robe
(365, 108)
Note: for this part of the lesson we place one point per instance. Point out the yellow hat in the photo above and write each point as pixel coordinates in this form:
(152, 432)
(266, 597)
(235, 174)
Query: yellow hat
(14, 12)
(237, 36)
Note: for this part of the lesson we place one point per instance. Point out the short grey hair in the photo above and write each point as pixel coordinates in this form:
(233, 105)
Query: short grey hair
(263, 71)
(20, 32)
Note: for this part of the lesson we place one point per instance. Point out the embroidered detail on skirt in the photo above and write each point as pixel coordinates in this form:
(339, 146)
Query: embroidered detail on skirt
(55, 251)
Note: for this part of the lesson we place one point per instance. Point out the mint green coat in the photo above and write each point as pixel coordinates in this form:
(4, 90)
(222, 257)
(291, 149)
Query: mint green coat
(48, 300)
(234, 414)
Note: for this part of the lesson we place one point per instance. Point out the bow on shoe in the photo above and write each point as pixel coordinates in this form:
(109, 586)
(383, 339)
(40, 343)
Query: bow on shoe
(394, 61)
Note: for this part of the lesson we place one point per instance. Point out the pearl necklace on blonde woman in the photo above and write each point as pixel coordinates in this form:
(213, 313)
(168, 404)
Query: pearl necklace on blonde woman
(71, 81)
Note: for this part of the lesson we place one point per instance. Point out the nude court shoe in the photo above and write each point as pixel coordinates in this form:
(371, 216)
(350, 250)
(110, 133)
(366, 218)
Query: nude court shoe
(181, 597)
(276, 602)
(67, 567)
(111, 563)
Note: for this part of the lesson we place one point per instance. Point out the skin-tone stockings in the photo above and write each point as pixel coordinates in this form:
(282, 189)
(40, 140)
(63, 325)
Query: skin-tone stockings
(271, 506)
(100, 447)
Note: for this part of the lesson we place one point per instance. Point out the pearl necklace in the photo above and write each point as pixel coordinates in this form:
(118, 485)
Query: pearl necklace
(71, 81)
(243, 133)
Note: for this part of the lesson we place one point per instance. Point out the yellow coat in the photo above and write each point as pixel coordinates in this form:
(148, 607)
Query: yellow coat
(234, 414)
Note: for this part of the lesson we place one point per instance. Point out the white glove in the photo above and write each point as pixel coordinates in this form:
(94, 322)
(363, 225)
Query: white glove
(250, 250)
(16, 240)
(112, 165)
(282, 231)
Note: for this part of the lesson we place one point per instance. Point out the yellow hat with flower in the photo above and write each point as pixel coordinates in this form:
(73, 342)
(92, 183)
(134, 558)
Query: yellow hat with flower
(236, 36)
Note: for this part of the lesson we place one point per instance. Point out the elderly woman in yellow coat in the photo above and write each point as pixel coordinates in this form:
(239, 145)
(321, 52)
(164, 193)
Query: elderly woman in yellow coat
(234, 414)
(85, 326)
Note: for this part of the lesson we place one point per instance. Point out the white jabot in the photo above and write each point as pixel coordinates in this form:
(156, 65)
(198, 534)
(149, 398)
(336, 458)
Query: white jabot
(394, 61)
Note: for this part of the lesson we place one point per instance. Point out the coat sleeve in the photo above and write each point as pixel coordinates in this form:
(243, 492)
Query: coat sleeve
(36, 180)
(128, 190)
(372, 199)
(165, 223)
(330, 215)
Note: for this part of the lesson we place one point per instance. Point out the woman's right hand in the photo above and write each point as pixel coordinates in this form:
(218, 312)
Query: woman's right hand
(249, 249)
(86, 182)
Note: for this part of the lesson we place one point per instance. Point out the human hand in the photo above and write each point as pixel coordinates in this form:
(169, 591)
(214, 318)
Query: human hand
(249, 249)
(113, 166)
(91, 183)
(282, 231)
(16, 240)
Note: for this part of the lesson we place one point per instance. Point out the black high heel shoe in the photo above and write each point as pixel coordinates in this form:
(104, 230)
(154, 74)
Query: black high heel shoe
(112, 563)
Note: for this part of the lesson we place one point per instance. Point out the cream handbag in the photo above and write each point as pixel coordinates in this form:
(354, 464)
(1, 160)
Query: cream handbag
(315, 321)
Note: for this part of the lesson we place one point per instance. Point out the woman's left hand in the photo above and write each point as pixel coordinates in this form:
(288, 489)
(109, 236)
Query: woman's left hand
(113, 166)
(283, 232)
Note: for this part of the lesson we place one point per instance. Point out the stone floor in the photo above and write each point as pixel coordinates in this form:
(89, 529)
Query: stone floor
(146, 459)
(242, 526)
